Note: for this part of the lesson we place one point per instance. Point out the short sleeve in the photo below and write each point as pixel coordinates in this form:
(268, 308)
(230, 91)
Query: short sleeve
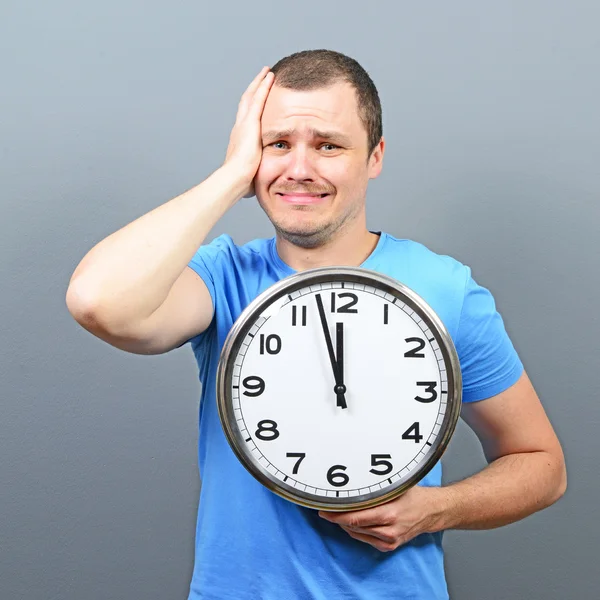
(488, 360)
(205, 263)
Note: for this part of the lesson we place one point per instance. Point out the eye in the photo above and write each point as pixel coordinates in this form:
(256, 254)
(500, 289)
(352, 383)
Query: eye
(331, 146)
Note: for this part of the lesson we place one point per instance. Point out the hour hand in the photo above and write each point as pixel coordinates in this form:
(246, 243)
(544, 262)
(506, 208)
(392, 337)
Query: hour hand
(340, 388)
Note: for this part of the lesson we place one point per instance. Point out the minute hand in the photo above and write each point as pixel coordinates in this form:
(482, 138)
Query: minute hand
(340, 388)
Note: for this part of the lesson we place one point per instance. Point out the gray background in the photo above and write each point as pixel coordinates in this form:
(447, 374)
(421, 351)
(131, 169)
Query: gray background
(111, 108)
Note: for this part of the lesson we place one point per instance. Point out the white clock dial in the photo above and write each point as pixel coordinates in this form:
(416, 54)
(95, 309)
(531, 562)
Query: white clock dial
(339, 390)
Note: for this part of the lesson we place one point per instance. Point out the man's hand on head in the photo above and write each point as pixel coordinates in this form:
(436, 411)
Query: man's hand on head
(245, 142)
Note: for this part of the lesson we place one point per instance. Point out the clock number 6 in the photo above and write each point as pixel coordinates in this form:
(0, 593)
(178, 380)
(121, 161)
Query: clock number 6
(337, 479)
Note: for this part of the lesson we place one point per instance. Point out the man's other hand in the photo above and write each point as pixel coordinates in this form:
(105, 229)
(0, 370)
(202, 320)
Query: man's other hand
(389, 525)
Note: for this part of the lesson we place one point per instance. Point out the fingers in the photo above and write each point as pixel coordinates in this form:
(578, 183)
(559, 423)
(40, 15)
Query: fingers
(385, 534)
(383, 544)
(248, 98)
(260, 97)
(373, 517)
(256, 82)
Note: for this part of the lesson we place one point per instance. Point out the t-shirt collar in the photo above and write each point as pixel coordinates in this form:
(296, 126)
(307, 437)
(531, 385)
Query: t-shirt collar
(369, 262)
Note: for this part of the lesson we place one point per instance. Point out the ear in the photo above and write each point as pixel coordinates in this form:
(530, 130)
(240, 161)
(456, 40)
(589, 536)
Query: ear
(376, 159)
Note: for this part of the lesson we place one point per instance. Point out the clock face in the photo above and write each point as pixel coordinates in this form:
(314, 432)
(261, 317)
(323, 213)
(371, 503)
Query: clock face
(339, 388)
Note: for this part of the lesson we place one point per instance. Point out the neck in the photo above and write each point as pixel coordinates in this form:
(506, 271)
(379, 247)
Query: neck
(351, 249)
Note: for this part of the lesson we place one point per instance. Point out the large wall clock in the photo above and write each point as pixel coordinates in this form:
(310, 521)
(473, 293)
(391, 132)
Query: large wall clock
(338, 388)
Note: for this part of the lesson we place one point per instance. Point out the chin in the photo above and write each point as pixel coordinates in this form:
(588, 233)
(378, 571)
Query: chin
(304, 239)
(305, 235)
(302, 226)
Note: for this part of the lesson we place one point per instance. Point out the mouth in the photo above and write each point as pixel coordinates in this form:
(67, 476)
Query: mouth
(302, 198)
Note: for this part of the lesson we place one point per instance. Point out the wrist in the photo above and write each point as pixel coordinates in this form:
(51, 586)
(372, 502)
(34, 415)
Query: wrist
(441, 509)
(237, 179)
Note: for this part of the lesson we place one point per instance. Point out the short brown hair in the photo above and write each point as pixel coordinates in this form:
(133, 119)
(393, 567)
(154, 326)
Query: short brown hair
(315, 69)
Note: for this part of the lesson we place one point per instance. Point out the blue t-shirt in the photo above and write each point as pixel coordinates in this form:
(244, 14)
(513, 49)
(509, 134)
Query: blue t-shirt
(253, 545)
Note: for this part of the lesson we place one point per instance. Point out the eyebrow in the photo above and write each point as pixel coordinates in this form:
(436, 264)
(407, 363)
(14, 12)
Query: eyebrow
(334, 136)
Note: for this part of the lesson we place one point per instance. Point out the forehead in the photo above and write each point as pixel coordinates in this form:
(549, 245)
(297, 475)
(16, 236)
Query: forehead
(331, 108)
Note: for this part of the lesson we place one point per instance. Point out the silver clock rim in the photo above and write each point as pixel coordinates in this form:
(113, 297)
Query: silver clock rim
(286, 286)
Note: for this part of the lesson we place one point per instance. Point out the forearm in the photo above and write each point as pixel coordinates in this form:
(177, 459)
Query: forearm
(129, 274)
(507, 490)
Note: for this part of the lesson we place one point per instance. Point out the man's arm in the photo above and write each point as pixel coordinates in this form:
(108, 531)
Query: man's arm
(526, 473)
(526, 470)
(134, 289)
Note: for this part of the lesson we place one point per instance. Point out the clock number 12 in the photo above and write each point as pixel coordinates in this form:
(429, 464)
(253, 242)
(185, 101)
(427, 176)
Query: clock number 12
(346, 308)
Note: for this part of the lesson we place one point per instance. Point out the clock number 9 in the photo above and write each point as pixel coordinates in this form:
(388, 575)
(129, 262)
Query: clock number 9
(337, 479)
(255, 385)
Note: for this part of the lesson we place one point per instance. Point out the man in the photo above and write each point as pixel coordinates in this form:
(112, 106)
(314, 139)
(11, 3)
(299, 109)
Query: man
(306, 141)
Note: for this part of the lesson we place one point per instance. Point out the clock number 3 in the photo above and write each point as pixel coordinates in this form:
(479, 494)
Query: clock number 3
(429, 387)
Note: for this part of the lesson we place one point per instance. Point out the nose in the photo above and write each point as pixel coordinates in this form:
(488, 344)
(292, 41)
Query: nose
(300, 166)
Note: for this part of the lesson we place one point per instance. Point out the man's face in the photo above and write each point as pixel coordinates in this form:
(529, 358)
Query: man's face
(314, 143)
